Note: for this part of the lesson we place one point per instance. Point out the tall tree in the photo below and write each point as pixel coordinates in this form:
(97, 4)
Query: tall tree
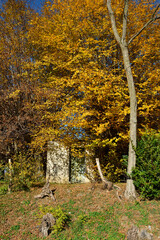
(17, 88)
(78, 65)
(74, 49)
(123, 42)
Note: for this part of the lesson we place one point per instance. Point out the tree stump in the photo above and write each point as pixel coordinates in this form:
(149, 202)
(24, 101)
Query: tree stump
(46, 192)
(47, 222)
(135, 234)
(144, 235)
(106, 184)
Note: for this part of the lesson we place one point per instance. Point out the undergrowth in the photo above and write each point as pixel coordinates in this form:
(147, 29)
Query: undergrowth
(62, 218)
(80, 214)
(146, 175)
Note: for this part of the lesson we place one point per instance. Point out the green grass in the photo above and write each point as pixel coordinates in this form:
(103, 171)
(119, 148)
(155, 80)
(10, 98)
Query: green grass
(94, 215)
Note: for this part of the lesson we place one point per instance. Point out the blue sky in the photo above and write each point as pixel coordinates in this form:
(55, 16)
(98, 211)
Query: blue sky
(36, 4)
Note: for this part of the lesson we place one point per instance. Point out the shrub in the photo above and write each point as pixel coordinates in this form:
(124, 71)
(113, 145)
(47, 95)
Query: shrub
(146, 175)
(112, 167)
(25, 170)
(3, 189)
(61, 217)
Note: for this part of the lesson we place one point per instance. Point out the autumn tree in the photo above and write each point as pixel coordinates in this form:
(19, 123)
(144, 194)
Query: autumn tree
(16, 86)
(124, 42)
(78, 64)
(74, 48)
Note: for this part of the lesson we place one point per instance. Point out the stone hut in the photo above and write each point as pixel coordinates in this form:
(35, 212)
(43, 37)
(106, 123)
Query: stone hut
(62, 167)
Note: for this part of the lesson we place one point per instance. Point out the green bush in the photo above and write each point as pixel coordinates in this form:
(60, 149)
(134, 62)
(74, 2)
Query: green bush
(146, 175)
(3, 189)
(25, 170)
(81, 221)
(61, 217)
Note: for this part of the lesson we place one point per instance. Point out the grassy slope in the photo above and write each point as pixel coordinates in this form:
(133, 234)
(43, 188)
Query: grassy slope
(95, 214)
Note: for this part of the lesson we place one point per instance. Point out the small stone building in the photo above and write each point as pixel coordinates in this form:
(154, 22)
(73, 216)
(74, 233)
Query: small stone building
(62, 167)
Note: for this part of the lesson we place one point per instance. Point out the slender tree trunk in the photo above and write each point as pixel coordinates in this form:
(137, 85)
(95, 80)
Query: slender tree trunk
(130, 189)
(99, 169)
(107, 184)
(10, 175)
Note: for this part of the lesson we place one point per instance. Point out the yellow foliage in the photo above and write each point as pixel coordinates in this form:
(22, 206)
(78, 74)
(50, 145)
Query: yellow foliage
(62, 74)
(14, 94)
(82, 71)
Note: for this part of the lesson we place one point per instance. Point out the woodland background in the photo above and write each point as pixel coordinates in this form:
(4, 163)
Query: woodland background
(62, 78)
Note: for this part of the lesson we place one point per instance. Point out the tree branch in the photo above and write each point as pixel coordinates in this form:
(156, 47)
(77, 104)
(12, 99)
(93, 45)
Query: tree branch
(153, 18)
(113, 21)
(125, 14)
(155, 10)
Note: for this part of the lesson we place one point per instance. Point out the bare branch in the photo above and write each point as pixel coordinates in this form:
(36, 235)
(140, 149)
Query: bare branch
(155, 10)
(125, 14)
(153, 18)
(113, 21)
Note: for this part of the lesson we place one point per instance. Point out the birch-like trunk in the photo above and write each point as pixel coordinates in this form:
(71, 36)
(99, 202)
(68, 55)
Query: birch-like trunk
(130, 192)
(130, 189)
(108, 184)
(99, 170)
(10, 175)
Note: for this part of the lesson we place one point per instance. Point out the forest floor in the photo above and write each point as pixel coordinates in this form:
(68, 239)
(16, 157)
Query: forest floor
(94, 213)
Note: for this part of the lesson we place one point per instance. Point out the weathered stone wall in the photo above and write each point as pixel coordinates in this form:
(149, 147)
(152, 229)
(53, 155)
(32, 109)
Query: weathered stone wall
(89, 159)
(78, 170)
(63, 168)
(57, 163)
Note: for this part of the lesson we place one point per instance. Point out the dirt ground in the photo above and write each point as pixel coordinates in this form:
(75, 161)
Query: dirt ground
(19, 221)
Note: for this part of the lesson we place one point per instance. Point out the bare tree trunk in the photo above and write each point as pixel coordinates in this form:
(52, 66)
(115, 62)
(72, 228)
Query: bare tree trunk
(130, 189)
(99, 169)
(10, 175)
(130, 192)
(108, 184)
